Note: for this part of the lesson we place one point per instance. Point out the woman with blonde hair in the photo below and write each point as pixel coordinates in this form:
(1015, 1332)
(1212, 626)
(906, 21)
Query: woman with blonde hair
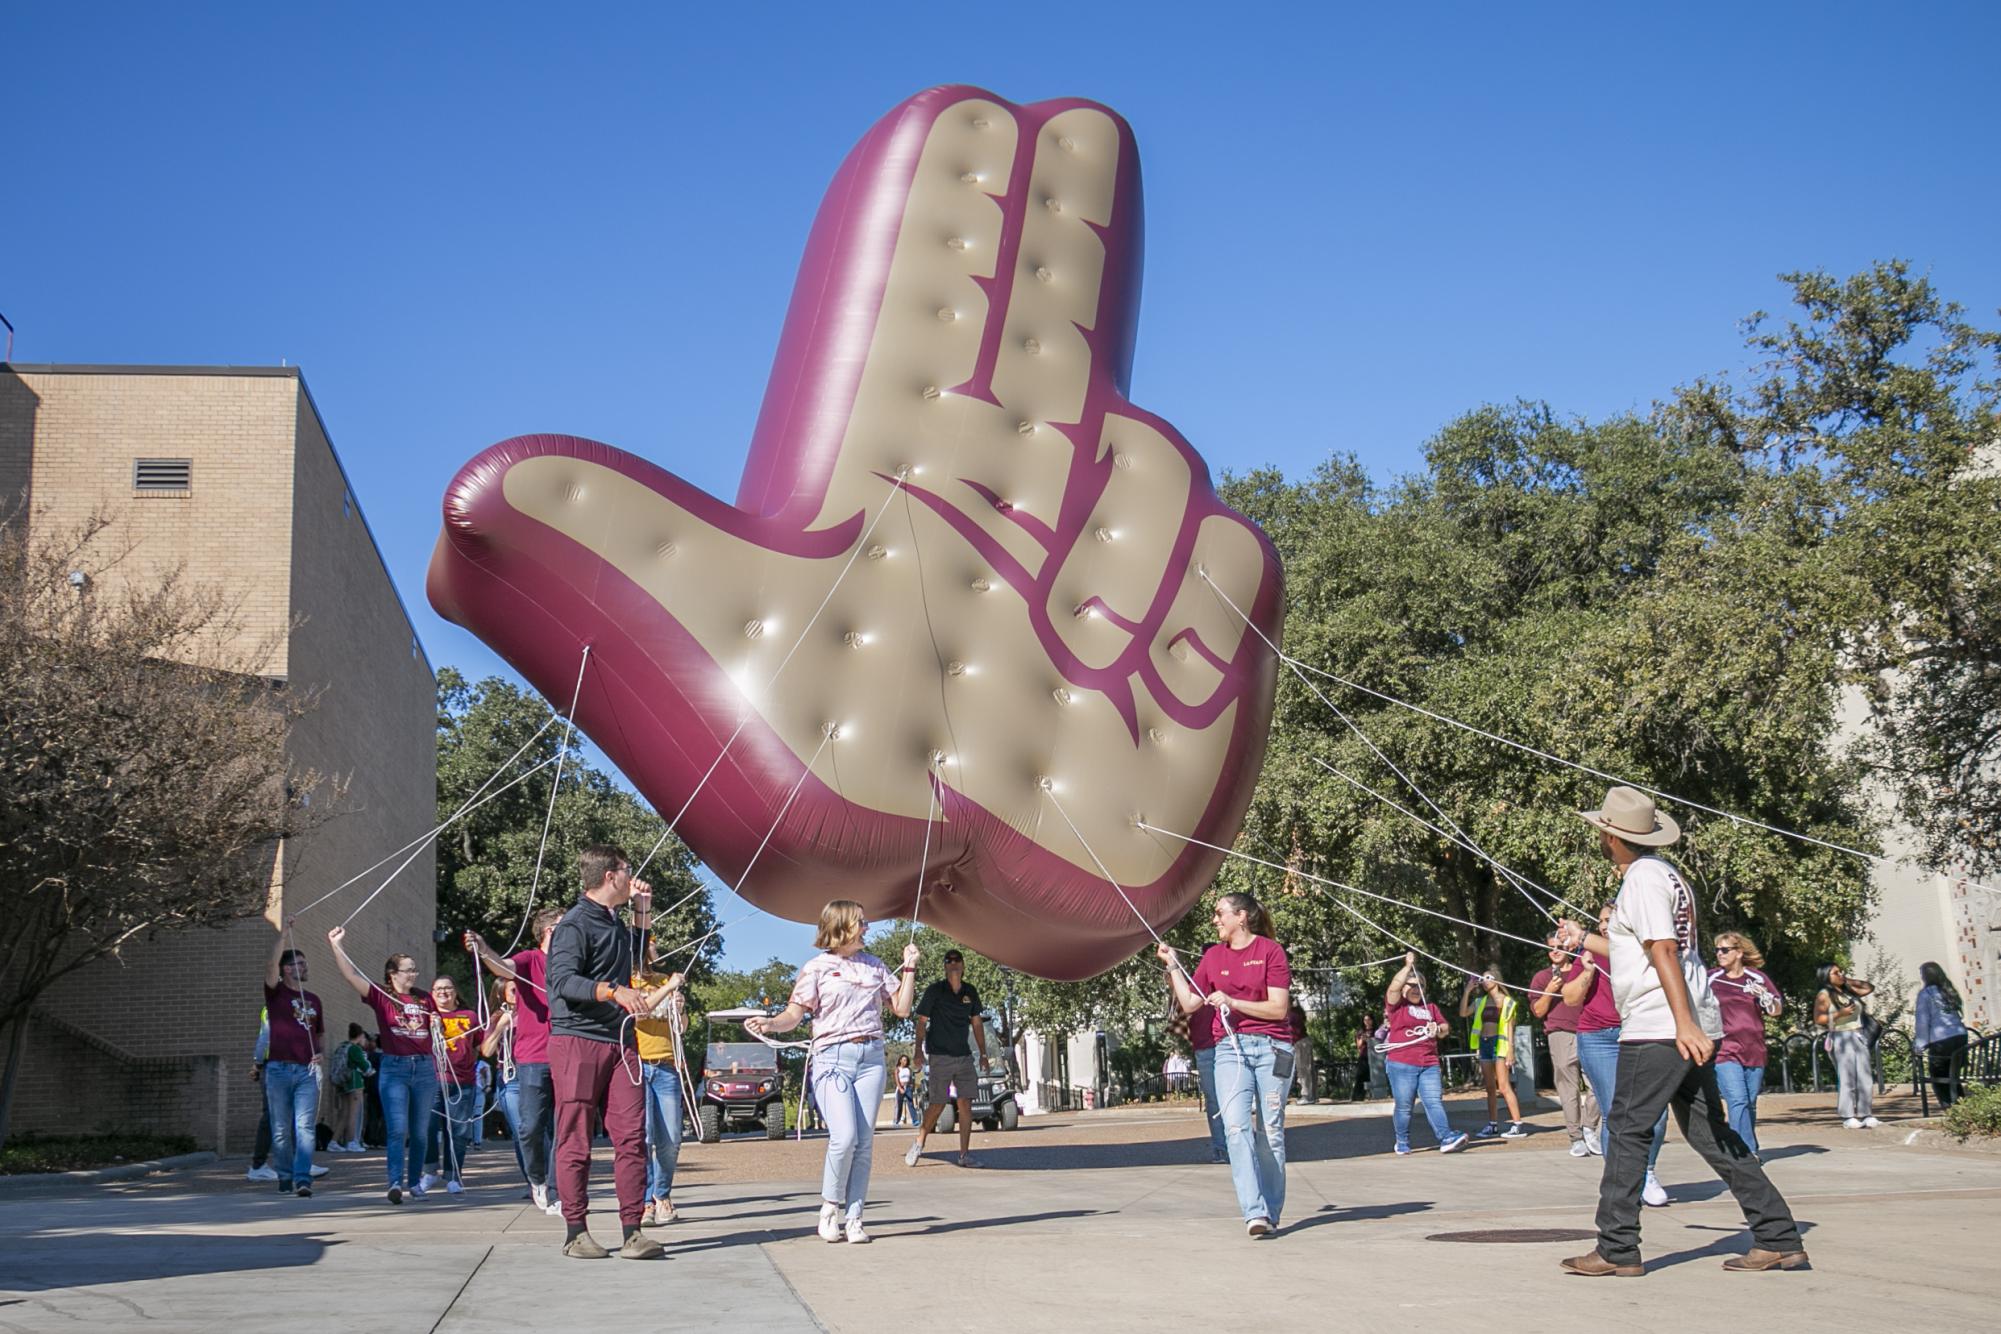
(1745, 995)
(843, 989)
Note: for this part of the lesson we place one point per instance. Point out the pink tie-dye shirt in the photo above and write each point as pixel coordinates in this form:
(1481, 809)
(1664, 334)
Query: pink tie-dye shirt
(844, 996)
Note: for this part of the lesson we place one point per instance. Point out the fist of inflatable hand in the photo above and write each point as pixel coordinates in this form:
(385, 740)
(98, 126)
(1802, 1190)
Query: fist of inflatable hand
(968, 595)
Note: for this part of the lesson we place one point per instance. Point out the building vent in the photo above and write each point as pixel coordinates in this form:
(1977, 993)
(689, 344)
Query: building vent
(168, 475)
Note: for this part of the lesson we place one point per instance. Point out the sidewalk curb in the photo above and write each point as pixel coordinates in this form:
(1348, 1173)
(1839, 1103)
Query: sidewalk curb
(122, 1172)
(1923, 1138)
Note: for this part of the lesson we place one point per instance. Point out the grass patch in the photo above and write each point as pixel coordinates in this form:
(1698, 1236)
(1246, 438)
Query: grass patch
(71, 1153)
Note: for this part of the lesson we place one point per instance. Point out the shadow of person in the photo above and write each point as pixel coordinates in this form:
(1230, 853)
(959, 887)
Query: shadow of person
(45, 1263)
(1338, 1213)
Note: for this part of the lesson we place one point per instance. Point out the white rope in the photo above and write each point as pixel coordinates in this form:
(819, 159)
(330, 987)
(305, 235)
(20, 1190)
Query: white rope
(924, 858)
(1354, 727)
(473, 802)
(1365, 893)
(555, 789)
(1447, 835)
(1527, 749)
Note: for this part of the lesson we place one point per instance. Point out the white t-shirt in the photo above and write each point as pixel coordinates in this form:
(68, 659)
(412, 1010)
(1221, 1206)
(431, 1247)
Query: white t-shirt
(1654, 904)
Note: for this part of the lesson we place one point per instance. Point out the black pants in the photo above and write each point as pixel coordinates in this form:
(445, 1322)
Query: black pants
(1653, 1076)
(1946, 1059)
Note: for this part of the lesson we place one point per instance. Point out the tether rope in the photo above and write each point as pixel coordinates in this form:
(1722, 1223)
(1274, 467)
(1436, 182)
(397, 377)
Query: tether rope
(555, 790)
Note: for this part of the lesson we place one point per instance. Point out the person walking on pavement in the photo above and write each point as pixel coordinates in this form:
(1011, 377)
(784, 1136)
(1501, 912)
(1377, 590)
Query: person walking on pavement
(1669, 1026)
(298, 1033)
(1412, 1027)
(593, 1060)
(1746, 996)
(535, 1098)
(1559, 1023)
(844, 988)
(948, 1025)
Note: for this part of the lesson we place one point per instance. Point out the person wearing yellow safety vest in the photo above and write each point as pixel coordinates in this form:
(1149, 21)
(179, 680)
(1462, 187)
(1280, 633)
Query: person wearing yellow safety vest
(1493, 1037)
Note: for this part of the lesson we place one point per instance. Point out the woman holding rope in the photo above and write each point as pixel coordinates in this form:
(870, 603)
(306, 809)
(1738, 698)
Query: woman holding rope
(460, 1034)
(1412, 1028)
(1246, 977)
(407, 1078)
(843, 990)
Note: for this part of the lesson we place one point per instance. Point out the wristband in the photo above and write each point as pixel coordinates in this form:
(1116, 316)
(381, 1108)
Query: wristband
(908, 968)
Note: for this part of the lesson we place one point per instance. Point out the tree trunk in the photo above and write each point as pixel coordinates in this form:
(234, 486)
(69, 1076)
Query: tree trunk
(17, 1047)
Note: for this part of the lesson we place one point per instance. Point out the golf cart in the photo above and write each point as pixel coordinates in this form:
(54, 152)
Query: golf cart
(994, 1106)
(742, 1086)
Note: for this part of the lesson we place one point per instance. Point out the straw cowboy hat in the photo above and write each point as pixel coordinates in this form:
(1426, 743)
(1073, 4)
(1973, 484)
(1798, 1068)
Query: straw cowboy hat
(1629, 814)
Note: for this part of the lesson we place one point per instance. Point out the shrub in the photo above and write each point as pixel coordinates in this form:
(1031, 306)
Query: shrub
(1977, 1113)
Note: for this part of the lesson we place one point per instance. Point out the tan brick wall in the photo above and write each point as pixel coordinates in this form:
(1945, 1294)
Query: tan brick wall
(266, 519)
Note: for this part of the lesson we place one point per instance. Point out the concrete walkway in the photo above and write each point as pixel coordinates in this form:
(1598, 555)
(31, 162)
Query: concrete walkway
(1105, 1221)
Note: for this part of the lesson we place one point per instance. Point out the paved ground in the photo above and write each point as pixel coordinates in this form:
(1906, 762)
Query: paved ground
(1105, 1221)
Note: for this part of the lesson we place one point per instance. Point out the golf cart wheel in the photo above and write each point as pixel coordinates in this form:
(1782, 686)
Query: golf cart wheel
(774, 1121)
(710, 1118)
(1010, 1115)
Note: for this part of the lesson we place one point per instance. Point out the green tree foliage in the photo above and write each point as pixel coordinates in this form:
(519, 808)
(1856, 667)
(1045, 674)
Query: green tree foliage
(1677, 599)
(486, 862)
(1875, 424)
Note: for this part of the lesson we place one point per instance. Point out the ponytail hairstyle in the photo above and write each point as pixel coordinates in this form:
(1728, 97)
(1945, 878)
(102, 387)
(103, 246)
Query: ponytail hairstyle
(1934, 976)
(1259, 923)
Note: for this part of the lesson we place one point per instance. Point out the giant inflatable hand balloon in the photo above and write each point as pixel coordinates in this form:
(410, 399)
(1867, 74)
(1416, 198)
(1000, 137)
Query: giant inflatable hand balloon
(968, 611)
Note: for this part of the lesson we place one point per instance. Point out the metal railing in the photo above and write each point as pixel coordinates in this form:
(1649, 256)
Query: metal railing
(1802, 1057)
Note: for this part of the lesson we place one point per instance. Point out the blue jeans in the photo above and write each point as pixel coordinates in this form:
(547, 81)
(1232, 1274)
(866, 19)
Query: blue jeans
(1212, 1107)
(1598, 1054)
(292, 1097)
(906, 1106)
(1253, 1101)
(1739, 1085)
(535, 1108)
(508, 1098)
(451, 1130)
(847, 1089)
(1421, 1083)
(663, 1127)
(409, 1086)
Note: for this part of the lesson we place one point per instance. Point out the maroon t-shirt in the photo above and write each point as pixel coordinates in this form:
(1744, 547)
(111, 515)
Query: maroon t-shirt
(405, 1021)
(1247, 974)
(1561, 1018)
(1599, 1010)
(531, 1007)
(1406, 1024)
(1202, 1032)
(1743, 1019)
(462, 1034)
(298, 1025)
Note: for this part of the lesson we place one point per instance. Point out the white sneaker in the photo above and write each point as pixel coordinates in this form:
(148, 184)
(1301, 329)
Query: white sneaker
(1257, 1227)
(1853, 1123)
(354, 1146)
(1579, 1149)
(540, 1194)
(336, 1147)
(318, 1170)
(454, 1187)
(266, 1173)
(830, 1222)
(1653, 1193)
(857, 1234)
(1515, 1131)
(913, 1153)
(418, 1191)
(1870, 1123)
(425, 1182)
(1593, 1145)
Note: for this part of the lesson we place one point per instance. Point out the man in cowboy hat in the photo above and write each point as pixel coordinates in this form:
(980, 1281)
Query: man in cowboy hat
(1667, 1041)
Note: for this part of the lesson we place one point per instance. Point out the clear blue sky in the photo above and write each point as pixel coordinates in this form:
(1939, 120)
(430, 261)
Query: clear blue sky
(469, 222)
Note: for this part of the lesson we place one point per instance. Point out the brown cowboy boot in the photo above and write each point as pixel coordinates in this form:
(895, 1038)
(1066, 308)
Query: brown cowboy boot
(1594, 1265)
(1757, 1260)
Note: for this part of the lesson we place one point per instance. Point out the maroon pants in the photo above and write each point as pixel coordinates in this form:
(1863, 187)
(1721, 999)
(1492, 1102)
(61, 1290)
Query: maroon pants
(588, 1081)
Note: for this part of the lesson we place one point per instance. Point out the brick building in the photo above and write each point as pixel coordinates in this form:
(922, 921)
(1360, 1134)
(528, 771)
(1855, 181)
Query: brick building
(228, 472)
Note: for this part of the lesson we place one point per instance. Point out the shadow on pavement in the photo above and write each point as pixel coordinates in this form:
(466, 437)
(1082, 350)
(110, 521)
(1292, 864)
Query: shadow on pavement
(40, 1266)
(1340, 1213)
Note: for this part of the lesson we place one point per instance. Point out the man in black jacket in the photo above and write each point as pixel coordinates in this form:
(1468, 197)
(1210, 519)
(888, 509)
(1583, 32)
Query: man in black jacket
(593, 958)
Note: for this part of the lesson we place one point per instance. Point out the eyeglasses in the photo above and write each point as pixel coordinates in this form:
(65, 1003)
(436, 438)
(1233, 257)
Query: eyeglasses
(405, 972)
